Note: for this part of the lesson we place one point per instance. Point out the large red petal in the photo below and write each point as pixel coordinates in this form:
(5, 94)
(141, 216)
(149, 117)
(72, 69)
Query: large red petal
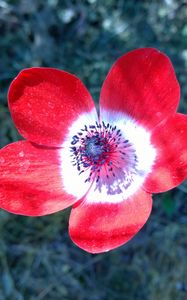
(44, 102)
(142, 84)
(99, 227)
(170, 142)
(30, 180)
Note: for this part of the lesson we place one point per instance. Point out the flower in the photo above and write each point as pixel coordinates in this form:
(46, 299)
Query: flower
(107, 165)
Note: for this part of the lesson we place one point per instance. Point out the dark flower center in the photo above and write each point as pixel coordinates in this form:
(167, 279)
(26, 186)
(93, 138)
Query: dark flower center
(96, 149)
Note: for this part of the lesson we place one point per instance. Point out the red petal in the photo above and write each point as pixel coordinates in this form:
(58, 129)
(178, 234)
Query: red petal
(30, 182)
(142, 84)
(44, 102)
(170, 168)
(99, 227)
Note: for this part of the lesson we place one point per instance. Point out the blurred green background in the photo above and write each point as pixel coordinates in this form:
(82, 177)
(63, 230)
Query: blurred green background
(37, 259)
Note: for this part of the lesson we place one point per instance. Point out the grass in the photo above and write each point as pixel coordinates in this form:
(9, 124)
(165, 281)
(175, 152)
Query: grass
(37, 259)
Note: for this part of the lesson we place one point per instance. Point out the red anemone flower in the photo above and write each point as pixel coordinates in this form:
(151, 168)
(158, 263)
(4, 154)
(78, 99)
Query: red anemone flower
(107, 165)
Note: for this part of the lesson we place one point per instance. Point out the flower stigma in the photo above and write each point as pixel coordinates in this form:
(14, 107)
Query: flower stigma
(102, 149)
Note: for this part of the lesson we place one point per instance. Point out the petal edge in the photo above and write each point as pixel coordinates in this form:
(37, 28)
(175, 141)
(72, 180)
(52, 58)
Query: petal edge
(170, 168)
(142, 84)
(44, 102)
(101, 227)
(31, 182)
